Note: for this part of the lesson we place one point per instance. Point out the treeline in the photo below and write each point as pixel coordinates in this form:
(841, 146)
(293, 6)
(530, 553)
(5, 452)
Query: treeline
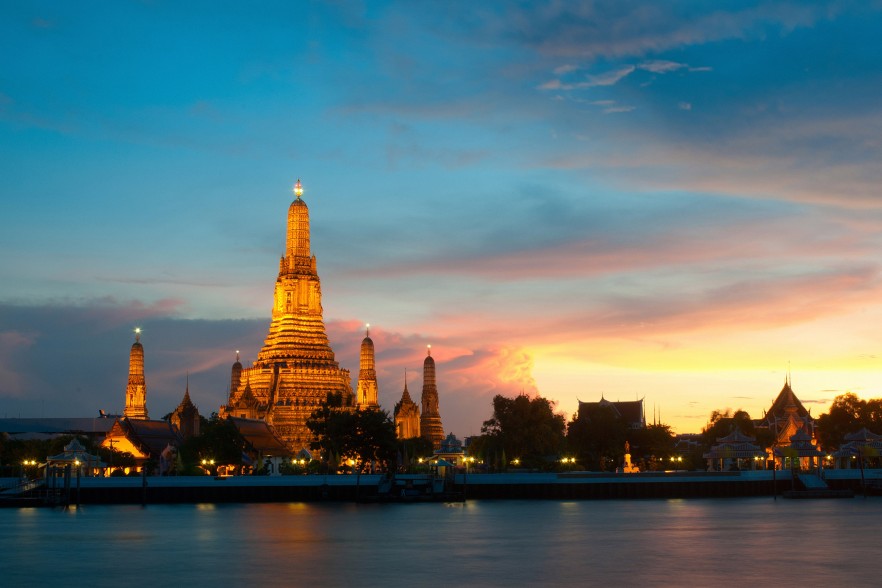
(527, 433)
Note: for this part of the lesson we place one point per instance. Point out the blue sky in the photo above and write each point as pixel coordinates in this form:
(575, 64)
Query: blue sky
(673, 200)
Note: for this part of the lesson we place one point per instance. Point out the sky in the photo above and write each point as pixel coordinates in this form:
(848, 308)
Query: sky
(673, 201)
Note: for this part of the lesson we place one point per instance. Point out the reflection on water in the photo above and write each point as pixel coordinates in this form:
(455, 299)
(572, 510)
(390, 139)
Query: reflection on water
(482, 543)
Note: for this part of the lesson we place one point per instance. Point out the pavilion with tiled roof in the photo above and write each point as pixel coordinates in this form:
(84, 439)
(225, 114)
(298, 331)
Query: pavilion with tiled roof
(863, 444)
(735, 450)
(801, 451)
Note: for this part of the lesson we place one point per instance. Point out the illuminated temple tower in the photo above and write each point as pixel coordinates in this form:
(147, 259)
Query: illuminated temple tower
(366, 393)
(296, 368)
(430, 418)
(136, 389)
(407, 415)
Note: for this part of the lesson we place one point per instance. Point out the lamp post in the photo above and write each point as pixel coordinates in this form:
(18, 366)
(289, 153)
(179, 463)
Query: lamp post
(77, 463)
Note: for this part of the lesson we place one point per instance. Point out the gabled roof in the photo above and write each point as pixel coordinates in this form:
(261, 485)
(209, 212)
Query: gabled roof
(151, 436)
(260, 436)
(863, 435)
(786, 402)
(735, 444)
(736, 436)
(631, 411)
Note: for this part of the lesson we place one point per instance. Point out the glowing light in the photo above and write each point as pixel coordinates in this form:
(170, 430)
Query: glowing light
(298, 189)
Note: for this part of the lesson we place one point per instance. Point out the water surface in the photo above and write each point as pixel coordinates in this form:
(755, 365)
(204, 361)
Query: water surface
(728, 542)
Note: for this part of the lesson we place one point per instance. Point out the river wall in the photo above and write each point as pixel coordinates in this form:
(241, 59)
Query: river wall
(520, 485)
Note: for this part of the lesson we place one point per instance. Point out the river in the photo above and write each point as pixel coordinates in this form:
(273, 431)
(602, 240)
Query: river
(726, 542)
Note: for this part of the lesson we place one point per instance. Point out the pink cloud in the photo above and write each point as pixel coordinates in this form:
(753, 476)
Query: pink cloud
(467, 376)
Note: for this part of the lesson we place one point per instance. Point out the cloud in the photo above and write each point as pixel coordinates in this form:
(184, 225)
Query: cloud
(593, 31)
(684, 105)
(617, 108)
(608, 78)
(74, 360)
(661, 66)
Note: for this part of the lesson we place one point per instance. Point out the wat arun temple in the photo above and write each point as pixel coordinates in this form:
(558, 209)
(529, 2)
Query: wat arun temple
(296, 368)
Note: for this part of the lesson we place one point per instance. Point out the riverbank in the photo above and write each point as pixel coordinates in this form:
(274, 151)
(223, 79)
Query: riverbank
(313, 488)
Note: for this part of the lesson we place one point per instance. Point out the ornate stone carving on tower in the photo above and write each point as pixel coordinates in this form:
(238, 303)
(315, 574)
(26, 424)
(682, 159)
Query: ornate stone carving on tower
(407, 415)
(136, 389)
(366, 392)
(296, 368)
(430, 418)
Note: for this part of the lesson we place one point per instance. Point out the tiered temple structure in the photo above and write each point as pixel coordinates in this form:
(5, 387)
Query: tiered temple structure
(786, 417)
(186, 416)
(296, 369)
(430, 417)
(407, 415)
(366, 393)
(136, 389)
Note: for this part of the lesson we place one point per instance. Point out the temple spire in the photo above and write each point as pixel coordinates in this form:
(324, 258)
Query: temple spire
(430, 415)
(367, 391)
(136, 389)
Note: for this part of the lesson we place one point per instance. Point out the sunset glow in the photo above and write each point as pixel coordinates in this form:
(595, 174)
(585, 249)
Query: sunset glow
(575, 200)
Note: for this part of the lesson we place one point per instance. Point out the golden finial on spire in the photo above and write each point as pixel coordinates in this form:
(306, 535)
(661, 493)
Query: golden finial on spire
(237, 355)
(298, 189)
(367, 330)
(137, 333)
(429, 348)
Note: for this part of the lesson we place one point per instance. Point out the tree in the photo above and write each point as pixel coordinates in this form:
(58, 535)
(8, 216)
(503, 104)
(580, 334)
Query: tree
(343, 433)
(847, 414)
(653, 444)
(219, 439)
(412, 449)
(724, 422)
(597, 435)
(526, 429)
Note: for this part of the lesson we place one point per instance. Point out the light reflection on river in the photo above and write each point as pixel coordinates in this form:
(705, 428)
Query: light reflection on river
(483, 543)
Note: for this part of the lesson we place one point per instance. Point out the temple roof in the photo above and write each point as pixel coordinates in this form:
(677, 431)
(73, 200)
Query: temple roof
(784, 403)
(260, 436)
(735, 444)
(736, 436)
(863, 435)
(186, 404)
(151, 436)
(631, 411)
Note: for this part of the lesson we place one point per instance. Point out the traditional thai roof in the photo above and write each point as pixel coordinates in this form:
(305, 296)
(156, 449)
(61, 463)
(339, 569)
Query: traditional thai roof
(73, 452)
(734, 445)
(151, 437)
(631, 411)
(863, 442)
(786, 402)
(260, 436)
(786, 417)
(863, 435)
(801, 445)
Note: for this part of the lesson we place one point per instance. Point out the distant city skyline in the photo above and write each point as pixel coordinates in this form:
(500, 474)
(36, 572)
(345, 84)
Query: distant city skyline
(677, 202)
